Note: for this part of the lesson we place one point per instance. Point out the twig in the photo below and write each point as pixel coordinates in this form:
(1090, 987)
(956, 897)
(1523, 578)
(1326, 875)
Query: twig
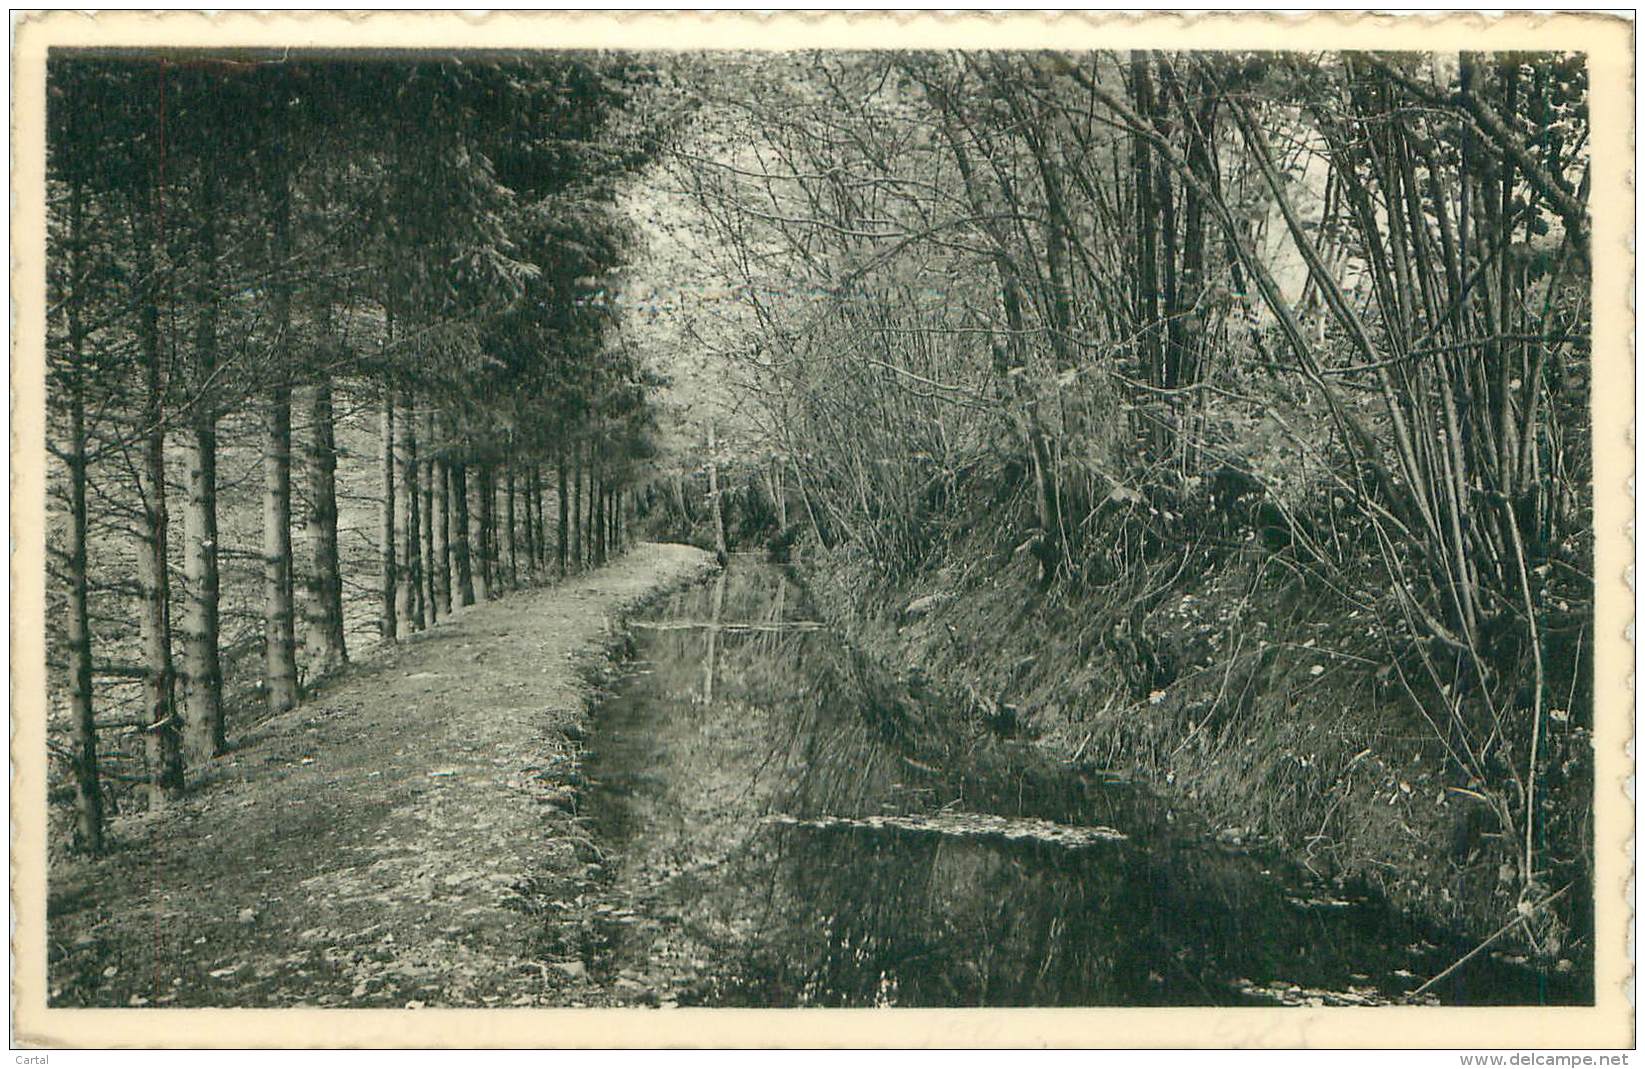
(1493, 937)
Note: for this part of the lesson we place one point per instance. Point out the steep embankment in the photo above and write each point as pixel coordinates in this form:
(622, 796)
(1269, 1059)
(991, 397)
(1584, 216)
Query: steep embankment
(381, 844)
(1242, 697)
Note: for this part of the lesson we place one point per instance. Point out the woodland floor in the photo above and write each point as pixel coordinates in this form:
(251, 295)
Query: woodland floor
(392, 842)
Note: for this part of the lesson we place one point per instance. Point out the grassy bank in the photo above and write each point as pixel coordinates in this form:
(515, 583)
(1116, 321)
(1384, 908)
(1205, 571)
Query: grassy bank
(1242, 687)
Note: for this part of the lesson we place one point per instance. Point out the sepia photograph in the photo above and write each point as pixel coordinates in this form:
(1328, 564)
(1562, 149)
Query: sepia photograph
(903, 525)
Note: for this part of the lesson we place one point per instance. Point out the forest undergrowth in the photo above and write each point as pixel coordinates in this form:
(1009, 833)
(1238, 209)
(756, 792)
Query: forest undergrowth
(1241, 688)
(1219, 419)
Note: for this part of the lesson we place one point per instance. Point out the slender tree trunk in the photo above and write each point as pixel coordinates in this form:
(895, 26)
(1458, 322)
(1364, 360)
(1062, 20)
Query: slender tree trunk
(529, 483)
(494, 557)
(405, 514)
(560, 503)
(591, 504)
(414, 521)
(543, 557)
(164, 738)
(440, 479)
(388, 625)
(602, 547)
(591, 471)
(459, 532)
(610, 522)
(495, 516)
(279, 631)
(591, 510)
(508, 523)
(600, 520)
(477, 532)
(279, 616)
(534, 519)
(585, 508)
(88, 791)
(202, 670)
(429, 589)
(480, 511)
(1147, 285)
(323, 606)
(714, 499)
(1193, 282)
(577, 508)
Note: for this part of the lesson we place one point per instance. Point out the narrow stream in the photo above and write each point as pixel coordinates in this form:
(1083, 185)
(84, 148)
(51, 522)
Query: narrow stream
(778, 832)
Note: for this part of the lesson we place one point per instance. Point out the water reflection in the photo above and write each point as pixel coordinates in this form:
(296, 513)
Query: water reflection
(739, 708)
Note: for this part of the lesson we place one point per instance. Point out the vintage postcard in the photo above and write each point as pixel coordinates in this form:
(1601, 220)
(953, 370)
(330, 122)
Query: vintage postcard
(632, 530)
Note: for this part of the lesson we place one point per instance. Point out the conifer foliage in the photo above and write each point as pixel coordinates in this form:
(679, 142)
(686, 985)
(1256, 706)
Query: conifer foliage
(316, 356)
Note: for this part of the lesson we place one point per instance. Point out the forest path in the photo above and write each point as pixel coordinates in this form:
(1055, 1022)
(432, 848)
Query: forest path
(385, 844)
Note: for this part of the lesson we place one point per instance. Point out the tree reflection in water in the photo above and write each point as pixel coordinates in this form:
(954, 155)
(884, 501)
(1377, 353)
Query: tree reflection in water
(762, 715)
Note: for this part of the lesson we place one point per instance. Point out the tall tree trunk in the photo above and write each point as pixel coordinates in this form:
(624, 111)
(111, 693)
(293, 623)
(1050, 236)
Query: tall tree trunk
(440, 479)
(720, 553)
(1201, 134)
(429, 588)
(577, 508)
(508, 523)
(560, 503)
(591, 508)
(480, 512)
(599, 520)
(323, 607)
(405, 514)
(202, 669)
(532, 506)
(1147, 285)
(543, 557)
(388, 620)
(610, 522)
(164, 739)
(602, 506)
(542, 530)
(459, 531)
(590, 503)
(88, 791)
(279, 625)
(279, 617)
(414, 521)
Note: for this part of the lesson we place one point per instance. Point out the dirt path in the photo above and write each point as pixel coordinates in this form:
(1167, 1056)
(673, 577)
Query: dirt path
(397, 840)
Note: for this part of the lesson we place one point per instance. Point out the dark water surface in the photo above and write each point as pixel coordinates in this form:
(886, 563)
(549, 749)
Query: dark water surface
(739, 721)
